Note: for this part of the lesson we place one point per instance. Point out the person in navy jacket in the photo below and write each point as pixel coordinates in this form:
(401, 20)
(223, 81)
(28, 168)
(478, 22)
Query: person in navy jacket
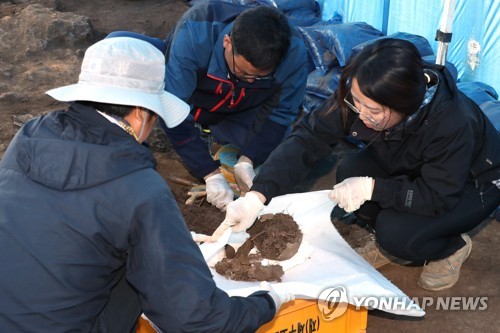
(90, 234)
(243, 71)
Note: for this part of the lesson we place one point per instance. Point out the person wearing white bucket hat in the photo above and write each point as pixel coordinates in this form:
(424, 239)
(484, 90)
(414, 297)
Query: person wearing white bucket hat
(131, 74)
(90, 234)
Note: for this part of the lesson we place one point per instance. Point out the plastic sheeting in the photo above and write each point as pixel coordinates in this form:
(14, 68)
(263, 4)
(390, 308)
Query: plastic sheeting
(286, 5)
(475, 44)
(339, 39)
(323, 85)
(332, 262)
(420, 42)
(492, 110)
(477, 91)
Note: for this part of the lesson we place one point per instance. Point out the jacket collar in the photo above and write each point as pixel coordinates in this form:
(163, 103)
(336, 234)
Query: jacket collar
(77, 149)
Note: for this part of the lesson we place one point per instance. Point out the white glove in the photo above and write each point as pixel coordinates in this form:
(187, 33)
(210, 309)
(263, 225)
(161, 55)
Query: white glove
(279, 299)
(219, 193)
(352, 192)
(244, 174)
(240, 214)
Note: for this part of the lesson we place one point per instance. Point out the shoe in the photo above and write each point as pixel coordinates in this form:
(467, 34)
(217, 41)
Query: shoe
(443, 274)
(376, 256)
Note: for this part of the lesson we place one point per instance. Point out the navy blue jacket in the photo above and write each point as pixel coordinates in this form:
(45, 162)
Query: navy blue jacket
(197, 73)
(448, 143)
(79, 201)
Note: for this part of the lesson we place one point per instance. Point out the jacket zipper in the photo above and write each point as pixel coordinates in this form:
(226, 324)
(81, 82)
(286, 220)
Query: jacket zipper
(240, 97)
(231, 94)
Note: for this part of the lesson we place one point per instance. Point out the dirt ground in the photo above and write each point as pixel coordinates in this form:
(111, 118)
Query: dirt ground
(25, 76)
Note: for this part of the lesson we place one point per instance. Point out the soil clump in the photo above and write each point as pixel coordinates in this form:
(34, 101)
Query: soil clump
(200, 217)
(276, 237)
(245, 266)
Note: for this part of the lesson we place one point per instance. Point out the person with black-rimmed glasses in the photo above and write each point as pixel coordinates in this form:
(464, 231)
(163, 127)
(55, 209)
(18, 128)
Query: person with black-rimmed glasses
(427, 175)
(243, 71)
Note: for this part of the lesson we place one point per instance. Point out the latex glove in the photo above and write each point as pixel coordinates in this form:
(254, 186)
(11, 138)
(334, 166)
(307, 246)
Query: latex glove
(352, 193)
(240, 214)
(279, 299)
(219, 193)
(244, 174)
(200, 238)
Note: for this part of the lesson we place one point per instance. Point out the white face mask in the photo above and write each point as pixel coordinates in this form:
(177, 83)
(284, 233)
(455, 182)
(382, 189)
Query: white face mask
(143, 125)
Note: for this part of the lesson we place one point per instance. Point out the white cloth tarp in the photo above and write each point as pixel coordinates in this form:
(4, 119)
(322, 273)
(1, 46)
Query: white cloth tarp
(332, 262)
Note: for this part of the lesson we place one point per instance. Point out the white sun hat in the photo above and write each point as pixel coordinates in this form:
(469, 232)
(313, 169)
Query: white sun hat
(125, 71)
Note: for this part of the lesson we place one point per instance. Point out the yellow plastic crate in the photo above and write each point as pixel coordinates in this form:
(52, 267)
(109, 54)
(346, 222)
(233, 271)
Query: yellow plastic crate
(143, 326)
(301, 316)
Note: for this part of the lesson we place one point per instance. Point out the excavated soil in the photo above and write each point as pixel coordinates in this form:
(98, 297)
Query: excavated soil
(276, 237)
(244, 266)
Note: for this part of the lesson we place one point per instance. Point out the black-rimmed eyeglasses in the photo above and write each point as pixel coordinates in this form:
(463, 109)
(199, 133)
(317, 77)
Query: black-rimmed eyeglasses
(366, 115)
(246, 76)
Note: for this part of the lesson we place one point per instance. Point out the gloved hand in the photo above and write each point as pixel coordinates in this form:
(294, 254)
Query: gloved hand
(279, 299)
(219, 193)
(352, 192)
(240, 214)
(244, 174)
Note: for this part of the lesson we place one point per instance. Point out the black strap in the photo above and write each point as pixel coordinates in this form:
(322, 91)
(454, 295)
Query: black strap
(443, 36)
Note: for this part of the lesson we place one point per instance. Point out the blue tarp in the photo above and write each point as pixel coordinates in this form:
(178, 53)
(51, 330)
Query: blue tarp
(334, 30)
(475, 44)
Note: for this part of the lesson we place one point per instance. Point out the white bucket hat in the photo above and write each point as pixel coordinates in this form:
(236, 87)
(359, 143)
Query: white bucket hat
(125, 71)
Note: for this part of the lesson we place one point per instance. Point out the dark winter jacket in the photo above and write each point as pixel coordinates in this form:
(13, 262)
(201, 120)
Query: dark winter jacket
(79, 201)
(448, 142)
(197, 73)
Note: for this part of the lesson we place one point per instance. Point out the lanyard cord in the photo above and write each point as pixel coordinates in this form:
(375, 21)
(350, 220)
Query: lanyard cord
(122, 123)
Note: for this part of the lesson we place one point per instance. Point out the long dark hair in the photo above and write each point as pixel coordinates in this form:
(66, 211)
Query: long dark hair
(390, 72)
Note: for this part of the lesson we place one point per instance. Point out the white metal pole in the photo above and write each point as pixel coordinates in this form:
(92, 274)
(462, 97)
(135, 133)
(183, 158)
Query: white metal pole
(445, 28)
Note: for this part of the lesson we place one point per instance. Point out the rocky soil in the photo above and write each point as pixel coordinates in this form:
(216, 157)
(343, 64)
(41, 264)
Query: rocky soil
(42, 43)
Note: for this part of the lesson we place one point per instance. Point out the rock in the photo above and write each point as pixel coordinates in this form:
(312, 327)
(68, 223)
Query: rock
(12, 97)
(37, 29)
(20, 120)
